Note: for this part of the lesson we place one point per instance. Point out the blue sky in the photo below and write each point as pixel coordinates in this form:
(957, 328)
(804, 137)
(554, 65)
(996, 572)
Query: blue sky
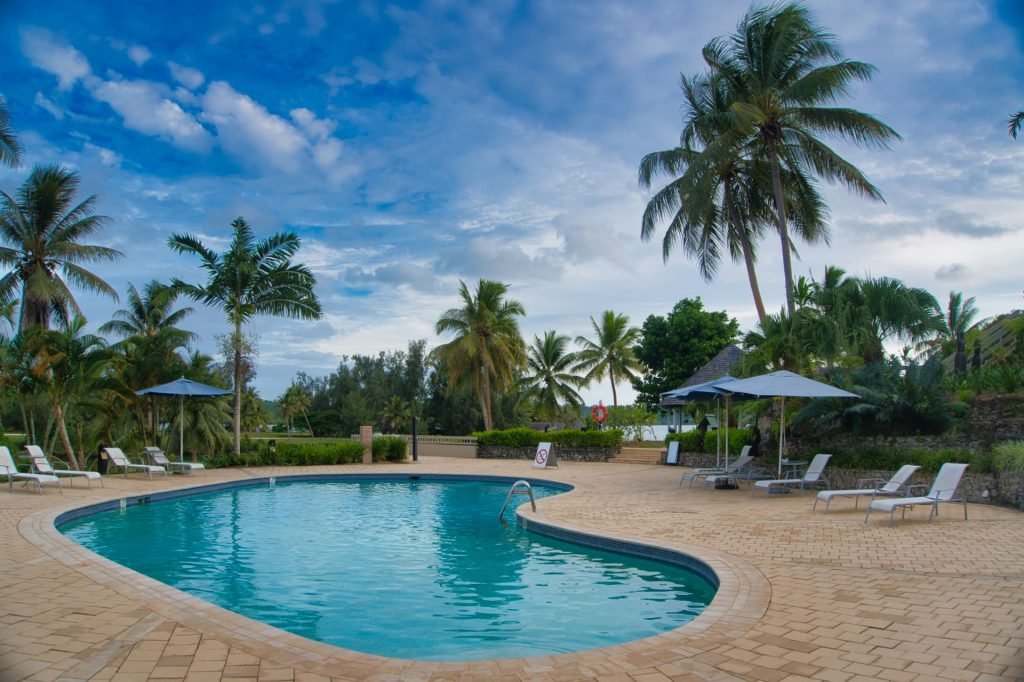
(413, 144)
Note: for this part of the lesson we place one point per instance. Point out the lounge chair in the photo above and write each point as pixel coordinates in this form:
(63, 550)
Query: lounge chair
(943, 489)
(41, 465)
(120, 460)
(894, 486)
(157, 456)
(742, 461)
(8, 469)
(814, 476)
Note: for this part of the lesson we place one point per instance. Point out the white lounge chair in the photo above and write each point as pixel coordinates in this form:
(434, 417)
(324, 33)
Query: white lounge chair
(8, 469)
(943, 489)
(41, 465)
(157, 456)
(118, 459)
(742, 461)
(894, 486)
(814, 476)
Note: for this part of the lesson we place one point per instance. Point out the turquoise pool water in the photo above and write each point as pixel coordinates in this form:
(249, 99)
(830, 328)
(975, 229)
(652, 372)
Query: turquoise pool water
(406, 569)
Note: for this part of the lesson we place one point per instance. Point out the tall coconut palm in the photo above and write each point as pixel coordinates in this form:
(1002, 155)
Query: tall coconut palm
(41, 230)
(1015, 123)
(10, 148)
(488, 350)
(295, 400)
(611, 353)
(959, 319)
(251, 278)
(721, 195)
(550, 380)
(782, 71)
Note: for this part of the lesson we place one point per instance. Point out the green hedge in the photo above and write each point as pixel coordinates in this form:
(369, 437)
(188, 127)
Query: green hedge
(689, 441)
(388, 449)
(1009, 456)
(320, 452)
(928, 460)
(568, 438)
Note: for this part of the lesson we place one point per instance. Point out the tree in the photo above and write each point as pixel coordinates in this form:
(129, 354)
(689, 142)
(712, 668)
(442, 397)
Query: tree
(1015, 123)
(674, 347)
(296, 400)
(957, 321)
(550, 381)
(611, 353)
(721, 193)
(251, 278)
(396, 414)
(488, 350)
(43, 230)
(781, 70)
(10, 148)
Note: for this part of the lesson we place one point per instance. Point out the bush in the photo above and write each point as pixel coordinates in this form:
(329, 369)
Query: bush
(1008, 456)
(388, 449)
(928, 460)
(568, 438)
(690, 441)
(313, 454)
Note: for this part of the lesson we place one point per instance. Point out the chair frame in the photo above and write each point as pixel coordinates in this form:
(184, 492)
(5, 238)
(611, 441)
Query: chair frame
(12, 474)
(41, 464)
(704, 472)
(893, 486)
(932, 499)
(127, 464)
(155, 455)
(811, 476)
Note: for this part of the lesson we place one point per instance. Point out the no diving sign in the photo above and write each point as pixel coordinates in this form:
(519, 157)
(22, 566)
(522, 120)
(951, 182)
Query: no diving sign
(545, 457)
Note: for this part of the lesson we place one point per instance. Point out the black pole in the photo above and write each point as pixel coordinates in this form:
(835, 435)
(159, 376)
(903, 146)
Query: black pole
(415, 455)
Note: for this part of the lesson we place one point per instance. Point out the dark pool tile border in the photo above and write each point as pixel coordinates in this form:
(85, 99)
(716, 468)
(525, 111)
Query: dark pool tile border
(652, 552)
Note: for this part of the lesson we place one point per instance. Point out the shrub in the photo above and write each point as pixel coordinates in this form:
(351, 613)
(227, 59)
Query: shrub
(928, 460)
(690, 441)
(1008, 456)
(389, 449)
(311, 454)
(568, 438)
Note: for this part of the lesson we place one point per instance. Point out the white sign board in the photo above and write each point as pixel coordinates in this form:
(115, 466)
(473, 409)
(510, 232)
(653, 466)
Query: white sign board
(672, 457)
(545, 457)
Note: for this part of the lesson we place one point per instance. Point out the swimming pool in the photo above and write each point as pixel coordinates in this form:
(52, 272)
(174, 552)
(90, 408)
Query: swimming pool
(401, 568)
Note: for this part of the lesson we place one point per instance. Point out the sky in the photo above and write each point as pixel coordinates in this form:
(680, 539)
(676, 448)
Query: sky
(412, 145)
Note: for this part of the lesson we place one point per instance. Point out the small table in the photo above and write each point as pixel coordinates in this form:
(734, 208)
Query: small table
(792, 466)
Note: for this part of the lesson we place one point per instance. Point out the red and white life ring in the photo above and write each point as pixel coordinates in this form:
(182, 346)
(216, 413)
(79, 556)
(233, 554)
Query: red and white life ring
(599, 413)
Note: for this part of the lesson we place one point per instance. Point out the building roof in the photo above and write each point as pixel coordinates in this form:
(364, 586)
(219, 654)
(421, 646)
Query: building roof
(716, 367)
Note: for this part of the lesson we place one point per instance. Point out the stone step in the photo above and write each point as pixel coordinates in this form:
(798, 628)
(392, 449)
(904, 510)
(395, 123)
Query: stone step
(638, 456)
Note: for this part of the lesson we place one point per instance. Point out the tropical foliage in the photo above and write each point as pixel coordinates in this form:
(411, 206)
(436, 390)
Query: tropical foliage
(610, 353)
(10, 147)
(549, 380)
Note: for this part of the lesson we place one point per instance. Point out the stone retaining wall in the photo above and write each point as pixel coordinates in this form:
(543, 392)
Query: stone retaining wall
(567, 454)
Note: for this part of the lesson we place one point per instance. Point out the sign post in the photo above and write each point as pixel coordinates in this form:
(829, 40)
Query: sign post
(545, 457)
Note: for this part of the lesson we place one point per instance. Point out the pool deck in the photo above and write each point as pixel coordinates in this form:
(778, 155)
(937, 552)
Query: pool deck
(804, 595)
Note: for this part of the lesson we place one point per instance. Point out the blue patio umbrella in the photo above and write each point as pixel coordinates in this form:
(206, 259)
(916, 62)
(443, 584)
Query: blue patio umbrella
(183, 387)
(784, 384)
(706, 391)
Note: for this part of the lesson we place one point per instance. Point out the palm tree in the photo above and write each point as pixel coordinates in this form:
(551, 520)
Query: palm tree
(488, 349)
(611, 353)
(10, 148)
(296, 400)
(43, 230)
(1015, 123)
(958, 320)
(397, 412)
(251, 278)
(721, 192)
(782, 70)
(550, 380)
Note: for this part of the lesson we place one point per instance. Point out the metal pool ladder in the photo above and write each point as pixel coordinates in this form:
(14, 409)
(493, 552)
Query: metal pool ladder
(520, 487)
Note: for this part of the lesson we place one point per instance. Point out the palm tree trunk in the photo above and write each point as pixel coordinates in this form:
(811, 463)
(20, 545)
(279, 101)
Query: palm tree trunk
(308, 425)
(58, 415)
(748, 252)
(615, 397)
(485, 399)
(781, 224)
(236, 416)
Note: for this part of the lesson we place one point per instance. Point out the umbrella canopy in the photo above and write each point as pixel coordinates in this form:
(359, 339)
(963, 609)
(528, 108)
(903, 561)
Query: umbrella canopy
(704, 392)
(183, 387)
(784, 384)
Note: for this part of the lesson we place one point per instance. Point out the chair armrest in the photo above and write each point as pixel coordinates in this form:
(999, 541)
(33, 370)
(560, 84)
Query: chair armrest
(912, 488)
(4, 469)
(938, 493)
(875, 482)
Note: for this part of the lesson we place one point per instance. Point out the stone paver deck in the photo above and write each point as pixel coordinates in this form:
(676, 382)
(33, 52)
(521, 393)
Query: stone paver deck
(804, 596)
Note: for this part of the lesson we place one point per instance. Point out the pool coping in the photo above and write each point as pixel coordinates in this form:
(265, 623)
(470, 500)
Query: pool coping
(741, 600)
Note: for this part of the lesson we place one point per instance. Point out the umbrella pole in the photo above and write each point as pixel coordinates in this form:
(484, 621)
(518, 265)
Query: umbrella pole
(181, 426)
(718, 433)
(727, 431)
(782, 434)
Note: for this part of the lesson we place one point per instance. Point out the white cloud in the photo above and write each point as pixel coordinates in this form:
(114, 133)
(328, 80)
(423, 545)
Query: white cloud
(44, 103)
(139, 54)
(186, 75)
(45, 51)
(146, 108)
(107, 157)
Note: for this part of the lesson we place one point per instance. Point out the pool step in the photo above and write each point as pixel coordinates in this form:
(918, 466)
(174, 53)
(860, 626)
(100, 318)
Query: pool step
(638, 456)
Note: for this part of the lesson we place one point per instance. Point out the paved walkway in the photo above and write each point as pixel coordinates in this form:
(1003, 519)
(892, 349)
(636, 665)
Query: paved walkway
(804, 596)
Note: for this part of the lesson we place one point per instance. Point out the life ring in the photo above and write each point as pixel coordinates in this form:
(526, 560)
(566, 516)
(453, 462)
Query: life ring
(599, 413)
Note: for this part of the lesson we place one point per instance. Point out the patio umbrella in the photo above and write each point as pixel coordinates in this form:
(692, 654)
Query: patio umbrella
(706, 391)
(183, 387)
(784, 384)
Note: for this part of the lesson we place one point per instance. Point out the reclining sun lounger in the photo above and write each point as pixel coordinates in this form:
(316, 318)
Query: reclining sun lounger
(157, 456)
(8, 469)
(742, 461)
(894, 486)
(943, 489)
(41, 465)
(814, 476)
(120, 460)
